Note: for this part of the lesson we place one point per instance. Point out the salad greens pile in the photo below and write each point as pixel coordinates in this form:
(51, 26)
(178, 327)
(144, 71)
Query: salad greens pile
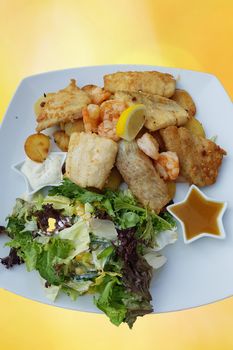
(81, 242)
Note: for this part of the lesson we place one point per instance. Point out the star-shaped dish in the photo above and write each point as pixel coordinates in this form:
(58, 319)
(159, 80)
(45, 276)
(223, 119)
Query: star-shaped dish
(29, 190)
(199, 215)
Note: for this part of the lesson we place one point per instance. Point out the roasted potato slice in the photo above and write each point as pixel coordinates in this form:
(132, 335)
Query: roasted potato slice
(183, 99)
(39, 105)
(75, 126)
(114, 180)
(171, 186)
(195, 127)
(37, 147)
(62, 140)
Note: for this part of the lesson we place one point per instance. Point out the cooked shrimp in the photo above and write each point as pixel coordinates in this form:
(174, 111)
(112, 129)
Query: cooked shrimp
(168, 165)
(110, 112)
(112, 109)
(96, 93)
(91, 117)
(148, 144)
(108, 129)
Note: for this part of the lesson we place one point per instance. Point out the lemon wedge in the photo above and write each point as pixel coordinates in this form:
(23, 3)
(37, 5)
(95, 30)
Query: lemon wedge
(130, 122)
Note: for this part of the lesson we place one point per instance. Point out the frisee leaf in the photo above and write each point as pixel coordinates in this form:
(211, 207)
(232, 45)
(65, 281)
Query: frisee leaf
(71, 190)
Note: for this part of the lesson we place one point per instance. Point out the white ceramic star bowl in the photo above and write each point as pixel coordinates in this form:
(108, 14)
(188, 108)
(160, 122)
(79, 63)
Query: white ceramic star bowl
(222, 234)
(29, 190)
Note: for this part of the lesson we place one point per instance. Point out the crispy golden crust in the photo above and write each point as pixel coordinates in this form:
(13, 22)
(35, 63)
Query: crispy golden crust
(183, 99)
(199, 158)
(62, 140)
(140, 175)
(96, 93)
(37, 147)
(149, 81)
(160, 111)
(90, 159)
(62, 106)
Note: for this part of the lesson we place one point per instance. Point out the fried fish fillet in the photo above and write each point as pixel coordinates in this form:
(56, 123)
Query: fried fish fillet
(90, 159)
(149, 81)
(141, 176)
(160, 111)
(62, 106)
(199, 158)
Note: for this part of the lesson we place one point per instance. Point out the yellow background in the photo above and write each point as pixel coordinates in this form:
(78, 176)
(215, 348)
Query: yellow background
(40, 35)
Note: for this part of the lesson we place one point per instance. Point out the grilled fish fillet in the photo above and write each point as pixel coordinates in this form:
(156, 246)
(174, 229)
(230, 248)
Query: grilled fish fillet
(199, 158)
(62, 106)
(149, 81)
(160, 111)
(140, 175)
(90, 159)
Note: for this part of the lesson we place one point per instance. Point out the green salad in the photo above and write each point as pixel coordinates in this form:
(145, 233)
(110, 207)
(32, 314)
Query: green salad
(80, 242)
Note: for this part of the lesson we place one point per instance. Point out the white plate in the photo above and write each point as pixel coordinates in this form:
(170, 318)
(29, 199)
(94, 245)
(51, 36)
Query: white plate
(195, 274)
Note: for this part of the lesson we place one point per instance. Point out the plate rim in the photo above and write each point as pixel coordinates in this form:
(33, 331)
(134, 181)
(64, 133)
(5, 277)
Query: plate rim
(96, 67)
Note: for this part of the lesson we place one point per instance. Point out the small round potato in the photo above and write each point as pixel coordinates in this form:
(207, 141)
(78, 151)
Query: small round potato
(114, 180)
(37, 147)
(195, 127)
(62, 140)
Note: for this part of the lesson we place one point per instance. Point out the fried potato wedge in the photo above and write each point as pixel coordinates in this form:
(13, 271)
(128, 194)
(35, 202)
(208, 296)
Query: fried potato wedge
(195, 127)
(114, 180)
(37, 147)
(62, 140)
(183, 99)
(75, 126)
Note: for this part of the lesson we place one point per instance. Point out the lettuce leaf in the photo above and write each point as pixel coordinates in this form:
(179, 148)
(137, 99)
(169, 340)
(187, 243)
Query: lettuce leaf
(51, 291)
(27, 248)
(46, 262)
(110, 299)
(78, 234)
(103, 229)
(119, 304)
(73, 191)
(122, 208)
(62, 203)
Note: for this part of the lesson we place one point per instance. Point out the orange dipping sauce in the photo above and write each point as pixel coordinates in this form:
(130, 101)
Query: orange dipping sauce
(198, 214)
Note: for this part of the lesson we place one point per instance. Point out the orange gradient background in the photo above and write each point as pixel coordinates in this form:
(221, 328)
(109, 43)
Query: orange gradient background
(42, 35)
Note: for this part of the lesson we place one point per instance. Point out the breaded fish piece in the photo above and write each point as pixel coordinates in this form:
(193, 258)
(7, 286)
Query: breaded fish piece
(90, 159)
(149, 81)
(160, 111)
(141, 176)
(62, 106)
(200, 159)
